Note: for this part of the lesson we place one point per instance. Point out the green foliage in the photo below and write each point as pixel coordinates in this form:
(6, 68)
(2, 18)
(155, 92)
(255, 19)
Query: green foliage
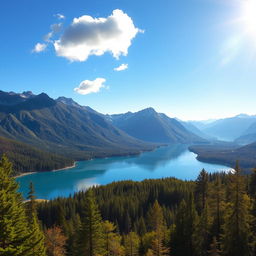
(182, 242)
(252, 184)
(201, 190)
(157, 225)
(37, 239)
(237, 230)
(227, 154)
(17, 237)
(160, 217)
(202, 233)
(131, 244)
(26, 158)
(112, 240)
(90, 235)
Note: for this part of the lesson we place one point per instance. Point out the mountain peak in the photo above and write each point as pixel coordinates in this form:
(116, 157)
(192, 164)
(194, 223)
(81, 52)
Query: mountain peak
(148, 125)
(68, 101)
(43, 96)
(12, 98)
(27, 94)
(242, 115)
(149, 110)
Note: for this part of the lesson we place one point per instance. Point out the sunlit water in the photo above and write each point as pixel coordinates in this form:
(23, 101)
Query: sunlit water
(172, 161)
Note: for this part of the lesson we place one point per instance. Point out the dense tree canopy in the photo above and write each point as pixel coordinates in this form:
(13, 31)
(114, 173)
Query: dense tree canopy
(215, 215)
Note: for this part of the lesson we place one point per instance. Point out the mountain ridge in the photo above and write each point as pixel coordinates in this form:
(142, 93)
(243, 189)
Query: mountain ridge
(60, 128)
(151, 126)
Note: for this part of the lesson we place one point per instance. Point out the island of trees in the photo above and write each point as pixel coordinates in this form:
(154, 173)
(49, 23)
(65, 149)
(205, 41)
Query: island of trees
(214, 215)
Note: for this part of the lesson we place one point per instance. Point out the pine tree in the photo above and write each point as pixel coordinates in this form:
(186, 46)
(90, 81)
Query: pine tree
(90, 240)
(55, 242)
(146, 243)
(217, 205)
(112, 240)
(201, 238)
(131, 244)
(14, 232)
(237, 231)
(201, 190)
(127, 223)
(156, 222)
(141, 227)
(36, 235)
(252, 183)
(253, 226)
(186, 220)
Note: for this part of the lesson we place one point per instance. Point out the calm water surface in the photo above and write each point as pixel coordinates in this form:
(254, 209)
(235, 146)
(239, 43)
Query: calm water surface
(172, 161)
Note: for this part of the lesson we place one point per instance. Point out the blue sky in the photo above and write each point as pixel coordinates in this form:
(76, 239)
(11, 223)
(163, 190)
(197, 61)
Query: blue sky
(195, 60)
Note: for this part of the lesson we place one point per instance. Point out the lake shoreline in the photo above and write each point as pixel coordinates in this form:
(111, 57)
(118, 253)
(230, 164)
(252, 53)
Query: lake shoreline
(89, 159)
(56, 170)
(174, 161)
(213, 160)
(65, 168)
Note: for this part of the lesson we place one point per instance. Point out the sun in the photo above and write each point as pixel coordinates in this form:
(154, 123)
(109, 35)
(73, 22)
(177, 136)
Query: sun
(249, 17)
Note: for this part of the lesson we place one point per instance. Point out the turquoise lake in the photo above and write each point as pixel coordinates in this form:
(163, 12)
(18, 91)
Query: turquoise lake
(172, 161)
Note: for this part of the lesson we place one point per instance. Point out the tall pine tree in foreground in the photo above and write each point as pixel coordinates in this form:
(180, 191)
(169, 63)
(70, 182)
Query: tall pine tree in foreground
(90, 237)
(37, 236)
(237, 232)
(15, 237)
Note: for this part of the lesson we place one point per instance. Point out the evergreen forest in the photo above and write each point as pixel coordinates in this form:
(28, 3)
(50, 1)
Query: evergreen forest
(213, 215)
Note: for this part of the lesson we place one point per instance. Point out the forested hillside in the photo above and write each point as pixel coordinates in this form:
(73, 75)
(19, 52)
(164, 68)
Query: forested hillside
(26, 158)
(227, 154)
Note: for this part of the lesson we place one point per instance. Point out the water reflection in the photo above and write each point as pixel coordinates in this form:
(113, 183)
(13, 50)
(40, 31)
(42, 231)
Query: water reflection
(148, 160)
(160, 157)
(172, 161)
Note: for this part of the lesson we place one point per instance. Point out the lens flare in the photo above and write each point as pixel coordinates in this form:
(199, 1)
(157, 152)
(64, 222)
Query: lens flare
(249, 17)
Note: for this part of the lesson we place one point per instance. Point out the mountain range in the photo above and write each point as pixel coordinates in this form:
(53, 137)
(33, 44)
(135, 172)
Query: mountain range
(230, 129)
(63, 131)
(248, 136)
(66, 129)
(59, 127)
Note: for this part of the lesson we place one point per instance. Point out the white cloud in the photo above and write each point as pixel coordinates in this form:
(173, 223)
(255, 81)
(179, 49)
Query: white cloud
(87, 86)
(60, 16)
(39, 47)
(94, 36)
(121, 67)
(55, 28)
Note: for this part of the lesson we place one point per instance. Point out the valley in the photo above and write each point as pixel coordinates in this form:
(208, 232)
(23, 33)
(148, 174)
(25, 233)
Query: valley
(60, 132)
